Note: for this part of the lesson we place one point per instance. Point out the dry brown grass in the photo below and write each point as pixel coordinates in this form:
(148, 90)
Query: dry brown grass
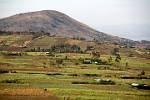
(25, 92)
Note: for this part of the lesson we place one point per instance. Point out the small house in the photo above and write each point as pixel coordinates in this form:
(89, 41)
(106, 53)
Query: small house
(87, 62)
(140, 86)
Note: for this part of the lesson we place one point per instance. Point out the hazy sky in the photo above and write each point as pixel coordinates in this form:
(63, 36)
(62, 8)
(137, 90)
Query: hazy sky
(125, 18)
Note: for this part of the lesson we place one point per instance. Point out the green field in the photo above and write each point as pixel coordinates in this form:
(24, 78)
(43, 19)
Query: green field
(36, 71)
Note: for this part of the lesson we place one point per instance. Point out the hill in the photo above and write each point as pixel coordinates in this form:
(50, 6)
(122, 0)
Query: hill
(54, 23)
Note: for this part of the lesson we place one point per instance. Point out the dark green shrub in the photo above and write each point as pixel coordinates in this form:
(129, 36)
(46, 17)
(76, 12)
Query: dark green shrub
(3, 71)
(77, 63)
(54, 74)
(91, 75)
(73, 75)
(11, 81)
(105, 82)
(80, 82)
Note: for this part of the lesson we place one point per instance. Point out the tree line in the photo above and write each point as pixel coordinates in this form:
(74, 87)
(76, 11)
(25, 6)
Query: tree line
(59, 48)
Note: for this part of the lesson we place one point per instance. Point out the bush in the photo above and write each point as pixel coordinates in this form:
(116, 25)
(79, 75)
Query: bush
(76, 63)
(3, 71)
(73, 75)
(11, 81)
(91, 75)
(54, 74)
(80, 82)
(105, 82)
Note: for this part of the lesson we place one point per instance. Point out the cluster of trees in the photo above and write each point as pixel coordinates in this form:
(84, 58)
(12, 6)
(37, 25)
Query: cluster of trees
(79, 38)
(38, 49)
(4, 33)
(65, 48)
(60, 48)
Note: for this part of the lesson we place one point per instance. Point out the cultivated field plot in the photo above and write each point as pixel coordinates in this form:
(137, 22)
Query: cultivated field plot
(65, 76)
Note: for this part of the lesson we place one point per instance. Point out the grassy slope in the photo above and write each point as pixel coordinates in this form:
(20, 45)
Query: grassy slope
(9, 42)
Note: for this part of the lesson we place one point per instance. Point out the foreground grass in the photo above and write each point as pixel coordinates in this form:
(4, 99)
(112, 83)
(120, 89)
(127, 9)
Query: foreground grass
(82, 94)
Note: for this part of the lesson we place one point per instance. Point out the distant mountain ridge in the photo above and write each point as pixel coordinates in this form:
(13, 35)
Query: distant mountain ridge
(55, 23)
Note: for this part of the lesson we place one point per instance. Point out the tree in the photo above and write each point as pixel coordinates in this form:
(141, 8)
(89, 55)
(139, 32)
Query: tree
(142, 72)
(44, 64)
(89, 48)
(127, 64)
(116, 51)
(110, 59)
(38, 49)
(95, 54)
(118, 58)
(66, 57)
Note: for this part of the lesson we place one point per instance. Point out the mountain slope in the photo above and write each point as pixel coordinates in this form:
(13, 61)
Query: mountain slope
(54, 23)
